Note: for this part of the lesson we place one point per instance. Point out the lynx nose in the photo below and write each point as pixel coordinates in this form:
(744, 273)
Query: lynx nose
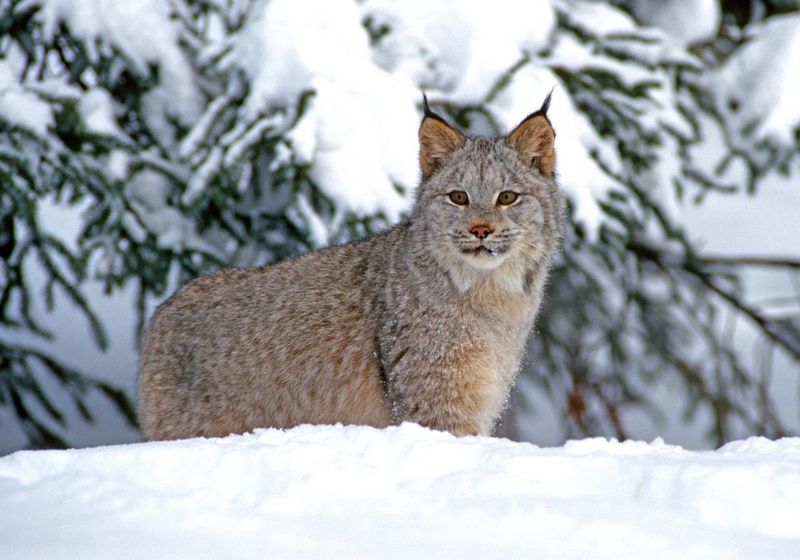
(481, 231)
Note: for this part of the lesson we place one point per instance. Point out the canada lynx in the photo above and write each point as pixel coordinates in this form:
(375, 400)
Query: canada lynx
(425, 322)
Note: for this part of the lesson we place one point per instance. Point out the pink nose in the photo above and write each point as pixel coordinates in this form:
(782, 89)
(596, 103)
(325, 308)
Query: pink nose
(481, 231)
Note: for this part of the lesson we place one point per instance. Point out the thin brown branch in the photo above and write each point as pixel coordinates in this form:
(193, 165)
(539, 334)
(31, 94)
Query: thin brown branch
(768, 327)
(750, 260)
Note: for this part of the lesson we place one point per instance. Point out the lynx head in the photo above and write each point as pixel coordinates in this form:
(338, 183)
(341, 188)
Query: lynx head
(489, 204)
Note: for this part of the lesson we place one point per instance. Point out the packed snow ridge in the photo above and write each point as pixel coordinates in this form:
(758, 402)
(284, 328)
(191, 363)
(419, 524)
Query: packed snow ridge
(402, 492)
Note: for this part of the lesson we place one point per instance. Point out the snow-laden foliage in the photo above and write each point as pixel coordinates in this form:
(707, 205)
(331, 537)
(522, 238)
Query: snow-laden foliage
(195, 134)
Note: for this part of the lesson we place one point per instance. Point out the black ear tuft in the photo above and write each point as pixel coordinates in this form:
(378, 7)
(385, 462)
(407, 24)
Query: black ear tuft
(429, 112)
(542, 111)
(425, 105)
(546, 104)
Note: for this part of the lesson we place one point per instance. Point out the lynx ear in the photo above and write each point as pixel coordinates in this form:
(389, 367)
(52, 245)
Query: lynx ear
(534, 139)
(436, 140)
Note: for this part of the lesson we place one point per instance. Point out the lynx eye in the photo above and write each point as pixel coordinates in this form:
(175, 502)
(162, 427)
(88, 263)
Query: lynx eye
(458, 198)
(507, 198)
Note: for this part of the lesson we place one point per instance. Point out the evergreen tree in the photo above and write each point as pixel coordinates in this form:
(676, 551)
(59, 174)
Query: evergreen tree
(157, 126)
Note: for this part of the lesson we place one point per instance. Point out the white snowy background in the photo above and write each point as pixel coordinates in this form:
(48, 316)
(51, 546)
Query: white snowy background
(405, 492)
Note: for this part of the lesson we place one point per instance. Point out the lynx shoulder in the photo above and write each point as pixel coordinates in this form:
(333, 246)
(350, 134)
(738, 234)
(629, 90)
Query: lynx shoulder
(425, 322)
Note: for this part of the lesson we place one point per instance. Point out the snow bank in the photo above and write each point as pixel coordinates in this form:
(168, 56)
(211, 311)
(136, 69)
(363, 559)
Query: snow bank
(404, 492)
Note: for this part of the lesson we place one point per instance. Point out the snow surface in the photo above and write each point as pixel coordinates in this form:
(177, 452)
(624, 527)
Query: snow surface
(403, 492)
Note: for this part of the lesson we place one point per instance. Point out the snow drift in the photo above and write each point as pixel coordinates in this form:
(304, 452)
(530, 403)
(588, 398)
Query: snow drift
(403, 492)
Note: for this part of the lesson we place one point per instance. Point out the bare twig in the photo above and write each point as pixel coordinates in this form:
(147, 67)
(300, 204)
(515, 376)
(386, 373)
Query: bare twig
(751, 260)
(771, 329)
